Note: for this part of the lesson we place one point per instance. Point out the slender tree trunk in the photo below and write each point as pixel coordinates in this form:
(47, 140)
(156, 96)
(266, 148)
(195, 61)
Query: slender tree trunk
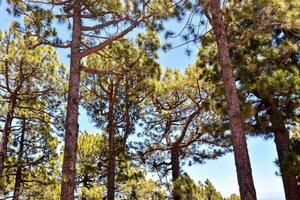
(71, 135)
(111, 146)
(6, 131)
(175, 171)
(127, 113)
(282, 146)
(242, 161)
(86, 185)
(18, 180)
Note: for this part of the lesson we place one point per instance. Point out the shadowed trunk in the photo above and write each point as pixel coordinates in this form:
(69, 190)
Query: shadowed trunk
(242, 161)
(175, 154)
(71, 134)
(111, 146)
(18, 180)
(6, 131)
(282, 145)
(85, 183)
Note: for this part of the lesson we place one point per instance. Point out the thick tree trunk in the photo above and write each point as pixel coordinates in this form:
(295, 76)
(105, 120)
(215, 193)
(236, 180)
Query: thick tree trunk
(6, 131)
(18, 180)
(282, 146)
(289, 182)
(71, 135)
(111, 146)
(175, 171)
(242, 161)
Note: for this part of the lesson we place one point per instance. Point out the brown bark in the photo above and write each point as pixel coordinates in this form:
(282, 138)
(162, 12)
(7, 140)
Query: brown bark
(71, 135)
(126, 114)
(111, 146)
(282, 146)
(175, 154)
(18, 180)
(6, 130)
(242, 161)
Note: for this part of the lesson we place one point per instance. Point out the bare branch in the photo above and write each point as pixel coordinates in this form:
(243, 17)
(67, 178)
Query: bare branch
(113, 38)
(103, 25)
(99, 72)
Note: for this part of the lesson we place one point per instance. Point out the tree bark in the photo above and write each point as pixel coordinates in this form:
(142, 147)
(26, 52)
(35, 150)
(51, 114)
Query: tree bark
(242, 161)
(111, 146)
(6, 131)
(282, 145)
(127, 114)
(18, 180)
(71, 135)
(175, 171)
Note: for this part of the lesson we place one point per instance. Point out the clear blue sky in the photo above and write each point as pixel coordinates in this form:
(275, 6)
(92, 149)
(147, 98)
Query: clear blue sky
(221, 171)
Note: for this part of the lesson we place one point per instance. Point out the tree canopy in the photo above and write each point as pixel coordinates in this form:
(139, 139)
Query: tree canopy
(153, 122)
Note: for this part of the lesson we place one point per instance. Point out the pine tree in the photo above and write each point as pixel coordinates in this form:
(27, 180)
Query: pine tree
(33, 80)
(233, 197)
(238, 29)
(210, 191)
(95, 25)
(178, 123)
(257, 80)
(130, 180)
(242, 160)
(273, 85)
(116, 90)
(90, 157)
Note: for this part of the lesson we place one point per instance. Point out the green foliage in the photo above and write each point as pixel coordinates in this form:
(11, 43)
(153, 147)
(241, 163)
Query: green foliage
(233, 197)
(40, 18)
(182, 111)
(115, 98)
(90, 156)
(91, 167)
(129, 69)
(181, 123)
(143, 188)
(43, 191)
(93, 193)
(35, 78)
(266, 66)
(211, 192)
(186, 188)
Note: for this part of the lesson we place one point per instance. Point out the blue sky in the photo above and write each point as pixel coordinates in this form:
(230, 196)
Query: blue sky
(221, 171)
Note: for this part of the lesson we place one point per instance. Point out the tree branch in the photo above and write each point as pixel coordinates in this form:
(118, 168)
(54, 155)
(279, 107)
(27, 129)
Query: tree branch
(113, 38)
(99, 72)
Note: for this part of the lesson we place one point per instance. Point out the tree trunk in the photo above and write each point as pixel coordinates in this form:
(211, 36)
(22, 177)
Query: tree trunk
(282, 146)
(175, 172)
(71, 134)
(111, 146)
(6, 131)
(18, 180)
(242, 161)
(127, 114)
(86, 185)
